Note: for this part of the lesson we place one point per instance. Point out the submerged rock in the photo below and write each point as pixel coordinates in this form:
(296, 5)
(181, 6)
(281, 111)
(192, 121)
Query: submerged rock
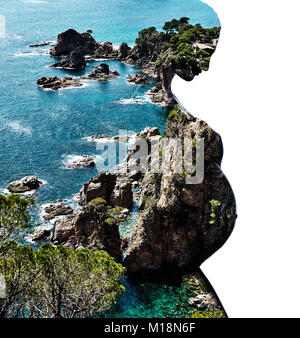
(73, 61)
(26, 184)
(41, 44)
(137, 79)
(54, 210)
(55, 83)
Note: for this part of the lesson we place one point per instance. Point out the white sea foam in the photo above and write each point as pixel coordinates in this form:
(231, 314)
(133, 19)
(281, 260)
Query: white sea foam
(69, 160)
(88, 58)
(84, 85)
(4, 191)
(99, 140)
(17, 127)
(35, 1)
(17, 36)
(33, 53)
(131, 139)
(132, 101)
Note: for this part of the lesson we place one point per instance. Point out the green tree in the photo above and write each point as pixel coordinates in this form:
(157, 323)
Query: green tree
(56, 282)
(175, 25)
(13, 216)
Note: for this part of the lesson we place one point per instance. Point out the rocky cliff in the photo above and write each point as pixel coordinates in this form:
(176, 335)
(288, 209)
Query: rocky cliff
(180, 224)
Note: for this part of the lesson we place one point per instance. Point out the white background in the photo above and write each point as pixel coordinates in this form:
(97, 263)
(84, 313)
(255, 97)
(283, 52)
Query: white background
(251, 97)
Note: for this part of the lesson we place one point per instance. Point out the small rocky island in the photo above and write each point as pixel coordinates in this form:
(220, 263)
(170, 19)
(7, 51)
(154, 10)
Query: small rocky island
(26, 184)
(55, 83)
(138, 79)
(73, 61)
(83, 161)
(102, 73)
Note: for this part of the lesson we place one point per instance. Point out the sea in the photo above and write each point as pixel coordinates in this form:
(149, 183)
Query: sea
(42, 132)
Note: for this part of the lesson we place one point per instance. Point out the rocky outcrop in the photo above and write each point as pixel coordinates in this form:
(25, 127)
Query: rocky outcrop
(83, 161)
(54, 210)
(41, 235)
(55, 83)
(102, 73)
(127, 168)
(26, 184)
(105, 50)
(94, 227)
(138, 79)
(124, 51)
(181, 224)
(72, 41)
(114, 189)
(73, 61)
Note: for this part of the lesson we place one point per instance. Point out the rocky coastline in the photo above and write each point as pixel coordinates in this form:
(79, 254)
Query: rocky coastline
(179, 225)
(157, 54)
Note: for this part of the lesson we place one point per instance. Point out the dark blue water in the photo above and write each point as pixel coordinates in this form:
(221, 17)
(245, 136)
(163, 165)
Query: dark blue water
(41, 130)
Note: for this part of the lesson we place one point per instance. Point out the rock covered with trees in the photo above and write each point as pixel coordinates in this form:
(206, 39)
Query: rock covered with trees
(51, 282)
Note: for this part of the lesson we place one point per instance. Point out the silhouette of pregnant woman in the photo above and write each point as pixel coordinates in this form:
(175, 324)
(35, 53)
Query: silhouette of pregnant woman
(180, 224)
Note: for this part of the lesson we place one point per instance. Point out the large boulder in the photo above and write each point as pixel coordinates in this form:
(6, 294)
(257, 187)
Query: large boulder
(112, 188)
(55, 210)
(124, 51)
(63, 229)
(41, 235)
(71, 40)
(26, 184)
(73, 61)
(101, 185)
(96, 226)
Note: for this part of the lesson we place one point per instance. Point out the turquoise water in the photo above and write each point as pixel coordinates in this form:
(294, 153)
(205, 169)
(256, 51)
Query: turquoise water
(40, 130)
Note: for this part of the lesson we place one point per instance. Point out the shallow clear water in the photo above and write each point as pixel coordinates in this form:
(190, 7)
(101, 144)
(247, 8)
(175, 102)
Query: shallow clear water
(40, 130)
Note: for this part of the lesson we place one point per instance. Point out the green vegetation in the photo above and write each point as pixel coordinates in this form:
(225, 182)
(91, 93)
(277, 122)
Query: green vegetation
(13, 216)
(56, 282)
(110, 215)
(215, 204)
(97, 201)
(216, 313)
(174, 115)
(52, 281)
(178, 45)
